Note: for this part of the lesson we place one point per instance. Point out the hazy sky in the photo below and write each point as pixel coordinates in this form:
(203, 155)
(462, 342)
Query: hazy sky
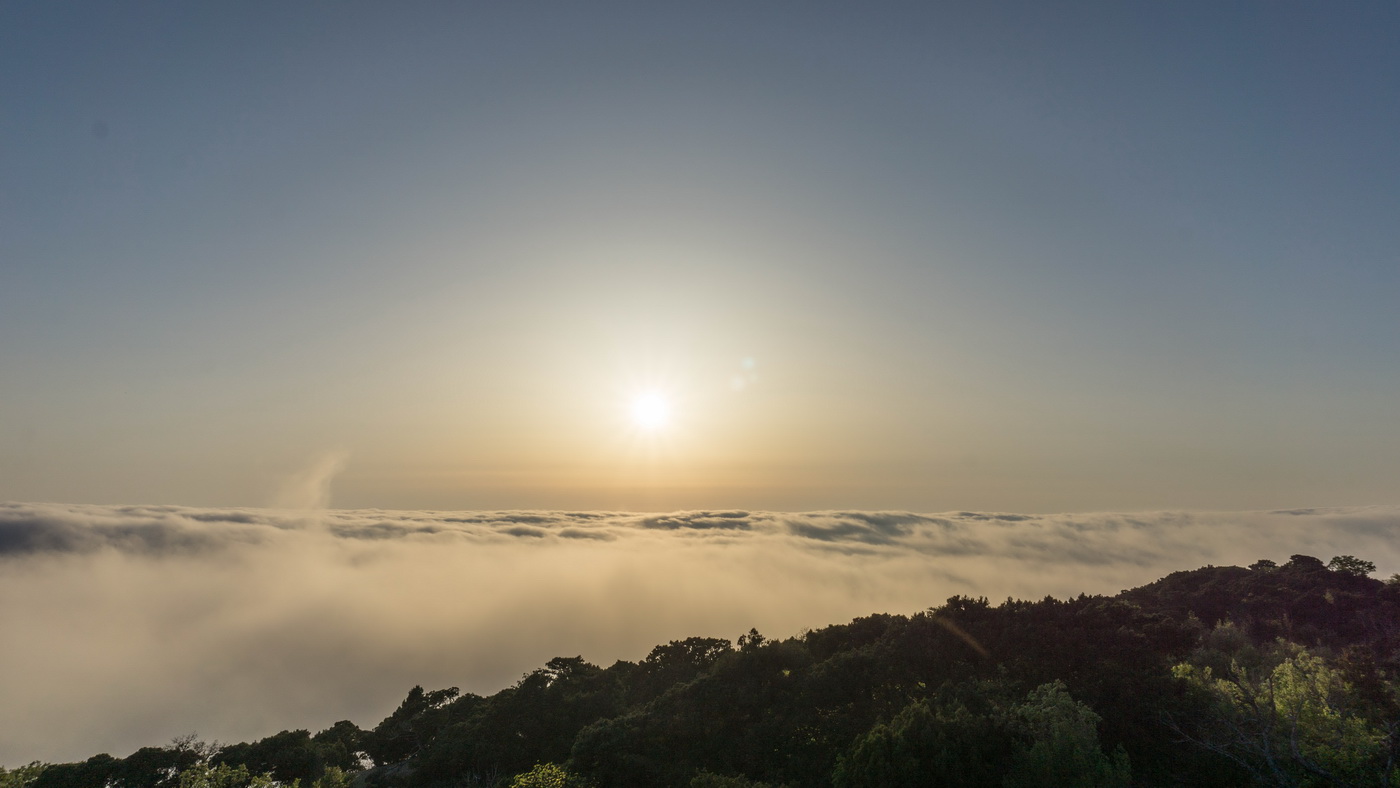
(928, 256)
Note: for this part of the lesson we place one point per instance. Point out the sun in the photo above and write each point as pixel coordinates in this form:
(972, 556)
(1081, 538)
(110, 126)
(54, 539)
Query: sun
(650, 411)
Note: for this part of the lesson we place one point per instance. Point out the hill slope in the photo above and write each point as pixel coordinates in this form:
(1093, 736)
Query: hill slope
(1275, 675)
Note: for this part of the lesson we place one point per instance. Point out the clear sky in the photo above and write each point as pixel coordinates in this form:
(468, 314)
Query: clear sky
(927, 256)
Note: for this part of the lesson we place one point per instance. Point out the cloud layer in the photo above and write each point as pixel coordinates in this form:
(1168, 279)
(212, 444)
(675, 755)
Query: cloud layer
(128, 625)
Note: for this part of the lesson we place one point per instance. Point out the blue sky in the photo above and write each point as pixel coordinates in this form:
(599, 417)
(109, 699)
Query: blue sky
(919, 256)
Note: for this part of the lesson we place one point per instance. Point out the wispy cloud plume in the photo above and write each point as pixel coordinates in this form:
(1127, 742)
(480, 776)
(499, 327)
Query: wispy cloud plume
(127, 625)
(310, 488)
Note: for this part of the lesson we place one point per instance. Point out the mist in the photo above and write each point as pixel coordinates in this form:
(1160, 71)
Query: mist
(129, 625)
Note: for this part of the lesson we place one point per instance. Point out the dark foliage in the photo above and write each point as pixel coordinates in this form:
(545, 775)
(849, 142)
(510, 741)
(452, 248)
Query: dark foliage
(944, 697)
(1301, 601)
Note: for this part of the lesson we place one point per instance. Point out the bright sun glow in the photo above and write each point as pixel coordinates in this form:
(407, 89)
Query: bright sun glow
(650, 411)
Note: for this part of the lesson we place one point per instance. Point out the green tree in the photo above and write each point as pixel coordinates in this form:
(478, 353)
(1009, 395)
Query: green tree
(333, 777)
(155, 767)
(341, 745)
(708, 779)
(1063, 745)
(21, 776)
(412, 726)
(1295, 723)
(95, 772)
(1351, 565)
(546, 775)
(930, 745)
(752, 641)
(1046, 739)
(287, 756)
(1305, 563)
(206, 775)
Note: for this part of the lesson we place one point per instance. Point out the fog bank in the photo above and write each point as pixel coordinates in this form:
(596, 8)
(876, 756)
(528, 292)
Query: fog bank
(128, 625)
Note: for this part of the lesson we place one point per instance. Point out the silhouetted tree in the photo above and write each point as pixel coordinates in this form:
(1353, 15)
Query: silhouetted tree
(1351, 565)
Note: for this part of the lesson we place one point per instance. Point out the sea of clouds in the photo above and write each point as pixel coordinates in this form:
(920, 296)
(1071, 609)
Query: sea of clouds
(125, 626)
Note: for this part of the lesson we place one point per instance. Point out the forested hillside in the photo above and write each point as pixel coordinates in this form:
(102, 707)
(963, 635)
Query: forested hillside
(1280, 675)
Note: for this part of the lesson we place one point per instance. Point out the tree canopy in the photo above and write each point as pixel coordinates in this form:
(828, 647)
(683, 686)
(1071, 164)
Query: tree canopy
(1278, 674)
